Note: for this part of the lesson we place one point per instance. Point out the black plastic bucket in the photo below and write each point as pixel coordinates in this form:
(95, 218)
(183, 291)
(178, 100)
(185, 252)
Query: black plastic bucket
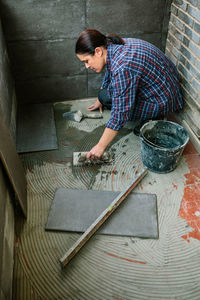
(162, 144)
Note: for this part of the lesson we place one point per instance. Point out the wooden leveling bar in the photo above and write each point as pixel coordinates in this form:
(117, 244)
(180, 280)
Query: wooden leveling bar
(100, 220)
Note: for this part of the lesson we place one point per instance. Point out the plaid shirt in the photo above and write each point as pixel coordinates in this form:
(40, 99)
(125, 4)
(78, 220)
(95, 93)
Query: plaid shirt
(141, 81)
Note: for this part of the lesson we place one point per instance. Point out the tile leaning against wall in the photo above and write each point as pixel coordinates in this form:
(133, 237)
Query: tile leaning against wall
(41, 36)
(183, 47)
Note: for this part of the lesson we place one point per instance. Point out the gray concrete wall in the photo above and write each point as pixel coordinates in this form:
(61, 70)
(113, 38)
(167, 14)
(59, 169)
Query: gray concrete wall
(7, 88)
(41, 36)
(183, 48)
(8, 107)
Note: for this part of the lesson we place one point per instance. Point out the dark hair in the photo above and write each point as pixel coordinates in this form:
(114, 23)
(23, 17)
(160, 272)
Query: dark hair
(92, 38)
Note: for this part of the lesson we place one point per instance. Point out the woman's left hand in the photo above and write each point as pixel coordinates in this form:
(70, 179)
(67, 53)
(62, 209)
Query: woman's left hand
(96, 105)
(96, 152)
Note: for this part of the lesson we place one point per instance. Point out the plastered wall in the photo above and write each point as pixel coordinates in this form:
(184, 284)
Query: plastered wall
(41, 36)
(183, 47)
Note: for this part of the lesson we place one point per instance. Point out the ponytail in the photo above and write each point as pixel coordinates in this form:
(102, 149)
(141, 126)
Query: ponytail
(113, 38)
(90, 39)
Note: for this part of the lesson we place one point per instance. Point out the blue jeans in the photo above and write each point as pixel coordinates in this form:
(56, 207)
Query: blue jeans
(107, 102)
(104, 98)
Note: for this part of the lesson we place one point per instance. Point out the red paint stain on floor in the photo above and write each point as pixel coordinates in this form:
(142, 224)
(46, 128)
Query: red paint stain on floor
(113, 174)
(190, 205)
(126, 259)
(141, 186)
(25, 261)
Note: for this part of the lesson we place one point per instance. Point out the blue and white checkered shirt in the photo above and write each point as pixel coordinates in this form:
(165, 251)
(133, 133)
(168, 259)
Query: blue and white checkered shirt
(141, 81)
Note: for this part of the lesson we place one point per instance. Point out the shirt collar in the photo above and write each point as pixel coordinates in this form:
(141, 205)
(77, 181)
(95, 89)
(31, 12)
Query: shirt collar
(109, 57)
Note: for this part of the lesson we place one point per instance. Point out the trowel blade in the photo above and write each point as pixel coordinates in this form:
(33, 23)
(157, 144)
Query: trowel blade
(74, 115)
(80, 159)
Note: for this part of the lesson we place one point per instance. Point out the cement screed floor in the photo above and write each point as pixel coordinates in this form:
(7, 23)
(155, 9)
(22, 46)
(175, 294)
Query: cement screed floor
(108, 267)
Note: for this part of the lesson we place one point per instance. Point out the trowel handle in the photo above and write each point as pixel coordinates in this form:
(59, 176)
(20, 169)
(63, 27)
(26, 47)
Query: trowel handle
(93, 116)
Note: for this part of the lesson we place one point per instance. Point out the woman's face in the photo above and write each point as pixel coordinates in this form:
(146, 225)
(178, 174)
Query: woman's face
(94, 62)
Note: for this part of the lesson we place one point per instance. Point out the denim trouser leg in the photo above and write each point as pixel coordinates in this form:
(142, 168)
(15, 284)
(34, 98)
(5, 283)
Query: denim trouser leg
(104, 98)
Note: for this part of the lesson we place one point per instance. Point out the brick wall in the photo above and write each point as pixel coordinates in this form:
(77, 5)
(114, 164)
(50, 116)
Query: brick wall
(183, 48)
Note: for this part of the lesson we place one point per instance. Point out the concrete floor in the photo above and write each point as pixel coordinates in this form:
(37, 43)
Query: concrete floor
(108, 267)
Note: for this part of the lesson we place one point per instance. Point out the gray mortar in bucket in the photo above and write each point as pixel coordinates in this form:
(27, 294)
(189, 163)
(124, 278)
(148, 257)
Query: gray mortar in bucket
(162, 144)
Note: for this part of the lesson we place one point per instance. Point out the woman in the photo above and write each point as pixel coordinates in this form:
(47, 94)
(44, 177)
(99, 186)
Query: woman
(140, 82)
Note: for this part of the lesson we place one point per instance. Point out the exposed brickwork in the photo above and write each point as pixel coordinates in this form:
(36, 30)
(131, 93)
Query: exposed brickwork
(183, 48)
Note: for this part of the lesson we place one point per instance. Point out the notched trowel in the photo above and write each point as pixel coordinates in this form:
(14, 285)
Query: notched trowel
(80, 159)
(77, 115)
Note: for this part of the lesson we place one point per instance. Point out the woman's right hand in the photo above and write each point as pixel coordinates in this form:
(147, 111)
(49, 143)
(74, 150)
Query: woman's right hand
(96, 105)
(96, 152)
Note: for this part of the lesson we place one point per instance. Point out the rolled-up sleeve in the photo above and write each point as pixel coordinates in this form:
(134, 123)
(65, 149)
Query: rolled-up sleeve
(122, 90)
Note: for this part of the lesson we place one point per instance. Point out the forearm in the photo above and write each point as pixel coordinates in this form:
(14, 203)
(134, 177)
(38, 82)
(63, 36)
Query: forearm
(107, 137)
(105, 140)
